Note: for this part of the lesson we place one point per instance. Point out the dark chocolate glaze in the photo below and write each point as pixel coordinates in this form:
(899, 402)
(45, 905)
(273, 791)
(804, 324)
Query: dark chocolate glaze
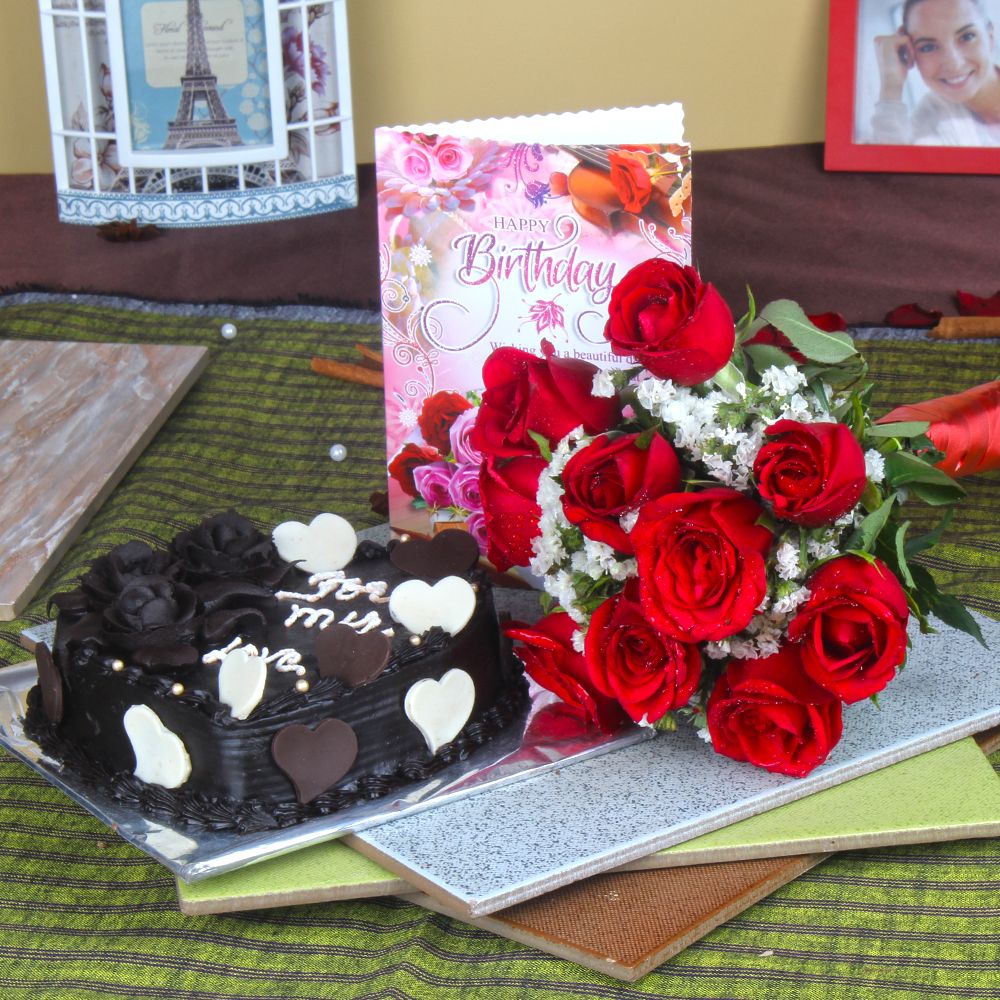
(234, 780)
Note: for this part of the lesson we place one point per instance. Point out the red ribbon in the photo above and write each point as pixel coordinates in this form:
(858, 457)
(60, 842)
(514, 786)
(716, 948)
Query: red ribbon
(965, 426)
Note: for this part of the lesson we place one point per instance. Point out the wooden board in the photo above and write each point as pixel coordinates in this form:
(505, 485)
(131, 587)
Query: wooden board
(73, 418)
(625, 924)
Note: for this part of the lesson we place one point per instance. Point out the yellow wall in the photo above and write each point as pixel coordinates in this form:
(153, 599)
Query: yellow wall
(749, 72)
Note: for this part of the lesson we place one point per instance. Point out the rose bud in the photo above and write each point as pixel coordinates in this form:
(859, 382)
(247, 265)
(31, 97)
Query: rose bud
(810, 474)
(611, 477)
(550, 660)
(508, 491)
(701, 562)
(674, 324)
(768, 712)
(549, 396)
(647, 672)
(851, 632)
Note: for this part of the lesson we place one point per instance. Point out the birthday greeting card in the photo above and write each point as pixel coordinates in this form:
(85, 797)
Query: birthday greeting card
(507, 232)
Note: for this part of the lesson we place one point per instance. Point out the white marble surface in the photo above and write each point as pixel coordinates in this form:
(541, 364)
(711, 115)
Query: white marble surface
(73, 418)
(512, 844)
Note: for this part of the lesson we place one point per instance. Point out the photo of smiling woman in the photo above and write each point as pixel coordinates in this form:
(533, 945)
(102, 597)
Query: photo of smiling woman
(927, 74)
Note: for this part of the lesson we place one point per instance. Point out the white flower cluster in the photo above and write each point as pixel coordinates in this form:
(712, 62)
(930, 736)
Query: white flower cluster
(767, 629)
(725, 437)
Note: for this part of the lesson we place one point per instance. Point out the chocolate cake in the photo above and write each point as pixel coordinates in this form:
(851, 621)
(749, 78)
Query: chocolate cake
(236, 681)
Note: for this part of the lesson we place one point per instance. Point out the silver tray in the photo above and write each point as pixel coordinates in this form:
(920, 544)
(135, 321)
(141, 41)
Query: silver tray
(197, 854)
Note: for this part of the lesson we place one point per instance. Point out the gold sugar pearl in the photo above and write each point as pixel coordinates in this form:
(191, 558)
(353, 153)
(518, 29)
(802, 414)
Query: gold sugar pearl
(302, 686)
(117, 666)
(415, 640)
(177, 689)
(404, 537)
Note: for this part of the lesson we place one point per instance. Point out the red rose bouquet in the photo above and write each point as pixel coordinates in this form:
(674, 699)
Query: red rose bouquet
(717, 531)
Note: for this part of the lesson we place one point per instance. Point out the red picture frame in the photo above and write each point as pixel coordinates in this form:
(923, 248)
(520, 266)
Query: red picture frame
(843, 152)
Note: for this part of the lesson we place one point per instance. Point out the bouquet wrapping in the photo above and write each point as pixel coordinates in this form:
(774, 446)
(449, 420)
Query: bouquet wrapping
(717, 528)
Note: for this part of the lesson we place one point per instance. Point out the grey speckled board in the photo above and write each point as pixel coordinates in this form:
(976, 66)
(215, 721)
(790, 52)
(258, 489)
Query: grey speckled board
(509, 845)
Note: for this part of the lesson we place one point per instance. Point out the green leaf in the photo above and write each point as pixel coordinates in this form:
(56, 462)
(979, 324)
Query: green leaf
(901, 429)
(923, 542)
(814, 343)
(953, 612)
(765, 356)
(752, 329)
(904, 569)
(543, 445)
(937, 495)
(645, 439)
(926, 482)
(866, 534)
(666, 723)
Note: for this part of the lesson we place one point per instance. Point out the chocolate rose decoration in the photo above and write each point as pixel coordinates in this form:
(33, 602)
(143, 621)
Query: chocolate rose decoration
(109, 575)
(155, 619)
(229, 545)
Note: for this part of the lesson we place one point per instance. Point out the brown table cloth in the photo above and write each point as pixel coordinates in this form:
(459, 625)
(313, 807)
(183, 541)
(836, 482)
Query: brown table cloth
(771, 218)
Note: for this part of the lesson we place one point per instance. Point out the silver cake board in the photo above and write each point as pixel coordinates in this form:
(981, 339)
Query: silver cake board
(512, 844)
(193, 854)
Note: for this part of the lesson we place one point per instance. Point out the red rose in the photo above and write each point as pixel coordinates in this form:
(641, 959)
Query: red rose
(768, 712)
(810, 474)
(832, 322)
(631, 179)
(701, 562)
(675, 325)
(610, 477)
(851, 631)
(647, 672)
(437, 414)
(508, 491)
(408, 458)
(550, 659)
(549, 395)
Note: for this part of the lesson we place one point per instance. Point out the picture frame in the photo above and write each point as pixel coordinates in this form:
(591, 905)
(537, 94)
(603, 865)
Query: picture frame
(194, 119)
(299, 159)
(853, 89)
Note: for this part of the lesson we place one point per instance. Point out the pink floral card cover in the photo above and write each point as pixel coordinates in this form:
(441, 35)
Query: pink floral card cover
(506, 232)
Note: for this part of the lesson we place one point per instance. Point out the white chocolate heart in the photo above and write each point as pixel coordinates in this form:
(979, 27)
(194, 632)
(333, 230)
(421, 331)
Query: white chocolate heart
(418, 606)
(325, 544)
(439, 709)
(242, 677)
(160, 756)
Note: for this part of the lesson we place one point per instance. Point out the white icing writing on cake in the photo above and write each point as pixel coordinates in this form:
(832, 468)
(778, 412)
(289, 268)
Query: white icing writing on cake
(322, 617)
(283, 660)
(342, 587)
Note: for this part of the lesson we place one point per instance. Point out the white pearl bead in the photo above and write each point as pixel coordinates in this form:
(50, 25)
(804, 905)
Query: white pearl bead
(228, 331)
(338, 453)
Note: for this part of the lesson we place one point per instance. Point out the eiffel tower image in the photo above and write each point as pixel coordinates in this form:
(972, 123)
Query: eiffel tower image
(199, 88)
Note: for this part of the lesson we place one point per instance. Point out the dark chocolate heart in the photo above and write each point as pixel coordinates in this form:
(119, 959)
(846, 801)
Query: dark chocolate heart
(49, 683)
(453, 552)
(351, 657)
(315, 759)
